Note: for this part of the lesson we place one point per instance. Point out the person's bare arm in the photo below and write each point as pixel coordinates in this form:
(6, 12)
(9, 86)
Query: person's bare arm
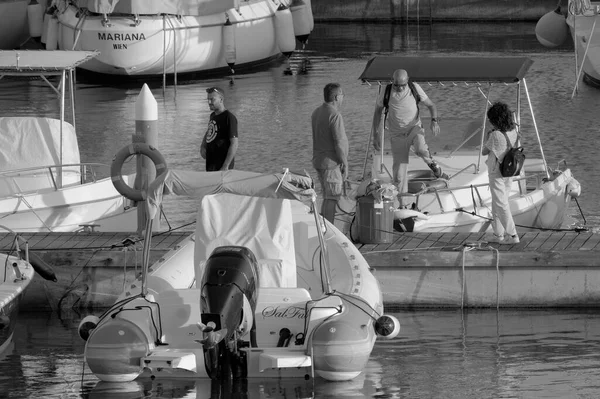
(233, 146)
(435, 126)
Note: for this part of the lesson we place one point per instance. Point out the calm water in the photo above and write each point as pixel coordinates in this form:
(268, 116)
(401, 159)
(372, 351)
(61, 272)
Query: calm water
(441, 354)
(438, 354)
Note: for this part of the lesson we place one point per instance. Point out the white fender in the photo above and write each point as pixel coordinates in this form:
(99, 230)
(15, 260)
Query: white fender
(229, 43)
(409, 213)
(52, 35)
(35, 17)
(284, 30)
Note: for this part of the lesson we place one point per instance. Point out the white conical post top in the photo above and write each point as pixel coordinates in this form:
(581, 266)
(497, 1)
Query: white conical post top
(146, 108)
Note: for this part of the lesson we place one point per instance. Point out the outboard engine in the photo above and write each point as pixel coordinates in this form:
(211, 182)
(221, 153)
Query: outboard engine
(229, 291)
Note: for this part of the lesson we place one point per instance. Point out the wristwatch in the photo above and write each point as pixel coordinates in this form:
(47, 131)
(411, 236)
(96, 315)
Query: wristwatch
(435, 120)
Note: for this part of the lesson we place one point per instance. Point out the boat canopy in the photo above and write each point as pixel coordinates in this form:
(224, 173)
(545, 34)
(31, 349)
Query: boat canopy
(285, 185)
(41, 62)
(448, 69)
(157, 7)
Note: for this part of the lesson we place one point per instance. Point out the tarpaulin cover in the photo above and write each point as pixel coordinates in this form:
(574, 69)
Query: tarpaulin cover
(200, 184)
(26, 143)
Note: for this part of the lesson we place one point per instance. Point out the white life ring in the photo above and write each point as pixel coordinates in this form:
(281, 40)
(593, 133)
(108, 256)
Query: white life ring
(119, 160)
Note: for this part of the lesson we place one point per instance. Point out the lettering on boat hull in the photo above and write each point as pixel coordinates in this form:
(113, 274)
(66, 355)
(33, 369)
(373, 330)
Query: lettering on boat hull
(121, 37)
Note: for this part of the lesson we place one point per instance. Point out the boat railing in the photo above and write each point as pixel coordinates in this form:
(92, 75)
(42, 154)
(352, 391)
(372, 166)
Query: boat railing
(474, 188)
(464, 170)
(53, 176)
(18, 240)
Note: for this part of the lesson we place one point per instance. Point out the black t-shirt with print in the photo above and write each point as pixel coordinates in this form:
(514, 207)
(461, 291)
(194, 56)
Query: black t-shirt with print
(221, 128)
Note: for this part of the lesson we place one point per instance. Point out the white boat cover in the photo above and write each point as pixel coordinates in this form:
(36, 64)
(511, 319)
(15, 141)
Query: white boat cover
(286, 185)
(258, 215)
(26, 143)
(154, 7)
(263, 225)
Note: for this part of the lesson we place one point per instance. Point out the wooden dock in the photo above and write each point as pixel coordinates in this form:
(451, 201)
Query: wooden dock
(555, 269)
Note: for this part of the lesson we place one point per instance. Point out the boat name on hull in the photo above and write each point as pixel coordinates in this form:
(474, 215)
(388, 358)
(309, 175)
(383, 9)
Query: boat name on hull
(121, 37)
(287, 313)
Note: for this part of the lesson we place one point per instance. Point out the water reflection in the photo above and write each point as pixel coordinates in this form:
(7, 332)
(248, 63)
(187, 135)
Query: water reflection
(202, 389)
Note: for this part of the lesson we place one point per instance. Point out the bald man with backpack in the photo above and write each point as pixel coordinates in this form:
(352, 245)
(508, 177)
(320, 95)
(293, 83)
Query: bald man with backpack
(399, 105)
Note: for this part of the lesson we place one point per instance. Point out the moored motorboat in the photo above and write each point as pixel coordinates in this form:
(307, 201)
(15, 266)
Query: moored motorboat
(460, 201)
(16, 274)
(264, 288)
(43, 184)
(157, 37)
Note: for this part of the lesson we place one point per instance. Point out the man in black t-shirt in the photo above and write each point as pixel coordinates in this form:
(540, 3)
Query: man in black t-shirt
(220, 142)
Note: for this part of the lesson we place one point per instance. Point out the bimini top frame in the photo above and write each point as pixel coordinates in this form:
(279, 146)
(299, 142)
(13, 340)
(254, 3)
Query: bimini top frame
(44, 63)
(478, 71)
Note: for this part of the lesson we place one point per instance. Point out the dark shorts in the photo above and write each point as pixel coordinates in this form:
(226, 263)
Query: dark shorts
(331, 183)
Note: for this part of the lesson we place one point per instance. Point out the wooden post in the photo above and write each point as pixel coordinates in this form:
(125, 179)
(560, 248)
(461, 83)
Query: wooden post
(146, 131)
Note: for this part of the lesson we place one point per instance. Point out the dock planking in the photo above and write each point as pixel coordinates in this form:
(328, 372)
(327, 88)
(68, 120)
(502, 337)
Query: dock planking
(93, 267)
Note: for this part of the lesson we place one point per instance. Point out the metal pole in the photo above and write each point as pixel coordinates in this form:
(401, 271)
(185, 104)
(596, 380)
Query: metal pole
(487, 100)
(536, 128)
(324, 253)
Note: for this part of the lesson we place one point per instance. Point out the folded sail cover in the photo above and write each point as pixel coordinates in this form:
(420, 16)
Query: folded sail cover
(153, 7)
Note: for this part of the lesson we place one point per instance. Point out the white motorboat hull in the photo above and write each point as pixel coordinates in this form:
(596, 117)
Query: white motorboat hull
(170, 44)
(463, 203)
(71, 208)
(340, 334)
(14, 280)
(585, 31)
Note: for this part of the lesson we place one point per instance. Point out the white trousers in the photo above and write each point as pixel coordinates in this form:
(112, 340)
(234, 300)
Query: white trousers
(502, 218)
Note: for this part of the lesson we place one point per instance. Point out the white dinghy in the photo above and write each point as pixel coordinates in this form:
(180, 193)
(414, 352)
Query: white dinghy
(264, 288)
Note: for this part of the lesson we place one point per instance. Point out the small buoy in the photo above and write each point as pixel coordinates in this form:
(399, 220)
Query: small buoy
(284, 30)
(387, 326)
(229, 43)
(87, 324)
(35, 17)
(301, 20)
(552, 30)
(574, 188)
(52, 35)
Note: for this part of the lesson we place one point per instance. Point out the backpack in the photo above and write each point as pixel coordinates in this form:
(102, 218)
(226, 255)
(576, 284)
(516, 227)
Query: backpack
(388, 92)
(513, 160)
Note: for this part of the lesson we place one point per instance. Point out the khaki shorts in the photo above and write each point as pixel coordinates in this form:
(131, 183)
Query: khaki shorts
(331, 183)
(401, 143)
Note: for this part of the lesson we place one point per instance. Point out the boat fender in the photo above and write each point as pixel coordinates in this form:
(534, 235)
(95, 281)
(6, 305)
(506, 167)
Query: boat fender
(87, 324)
(284, 30)
(301, 20)
(52, 34)
(42, 268)
(400, 214)
(4, 321)
(118, 161)
(574, 188)
(35, 18)
(229, 43)
(552, 30)
(387, 326)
